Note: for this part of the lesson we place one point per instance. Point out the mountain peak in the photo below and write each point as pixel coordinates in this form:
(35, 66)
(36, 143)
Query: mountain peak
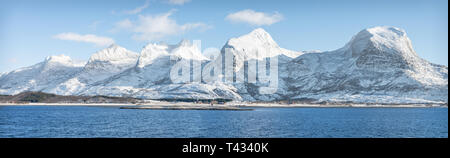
(184, 42)
(113, 53)
(150, 52)
(154, 45)
(381, 35)
(385, 39)
(256, 39)
(188, 50)
(58, 62)
(258, 36)
(387, 31)
(384, 48)
(184, 49)
(258, 44)
(259, 31)
(58, 58)
(113, 46)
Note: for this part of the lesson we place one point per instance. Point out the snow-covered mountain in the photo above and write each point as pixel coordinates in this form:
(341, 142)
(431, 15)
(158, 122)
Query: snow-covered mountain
(150, 78)
(47, 74)
(101, 65)
(378, 65)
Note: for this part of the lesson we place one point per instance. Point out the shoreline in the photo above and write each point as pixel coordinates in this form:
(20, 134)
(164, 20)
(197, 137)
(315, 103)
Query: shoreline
(345, 106)
(237, 105)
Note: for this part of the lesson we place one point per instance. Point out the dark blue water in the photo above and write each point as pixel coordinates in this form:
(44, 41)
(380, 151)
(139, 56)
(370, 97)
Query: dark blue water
(59, 121)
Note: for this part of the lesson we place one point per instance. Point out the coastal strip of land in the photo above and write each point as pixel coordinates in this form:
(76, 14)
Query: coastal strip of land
(45, 99)
(230, 105)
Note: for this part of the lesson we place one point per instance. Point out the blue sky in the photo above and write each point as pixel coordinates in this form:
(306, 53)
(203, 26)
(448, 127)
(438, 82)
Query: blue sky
(30, 30)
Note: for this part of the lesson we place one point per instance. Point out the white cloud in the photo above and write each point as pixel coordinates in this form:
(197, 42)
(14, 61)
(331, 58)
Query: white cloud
(138, 9)
(155, 27)
(177, 2)
(88, 38)
(255, 18)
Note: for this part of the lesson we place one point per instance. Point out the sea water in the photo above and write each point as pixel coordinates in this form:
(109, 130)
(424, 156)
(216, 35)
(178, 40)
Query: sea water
(106, 122)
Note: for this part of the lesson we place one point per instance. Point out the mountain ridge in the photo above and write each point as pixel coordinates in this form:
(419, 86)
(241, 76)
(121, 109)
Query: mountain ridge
(378, 65)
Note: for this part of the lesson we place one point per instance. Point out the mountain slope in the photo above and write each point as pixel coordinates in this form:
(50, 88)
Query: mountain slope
(150, 78)
(377, 65)
(101, 65)
(52, 71)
